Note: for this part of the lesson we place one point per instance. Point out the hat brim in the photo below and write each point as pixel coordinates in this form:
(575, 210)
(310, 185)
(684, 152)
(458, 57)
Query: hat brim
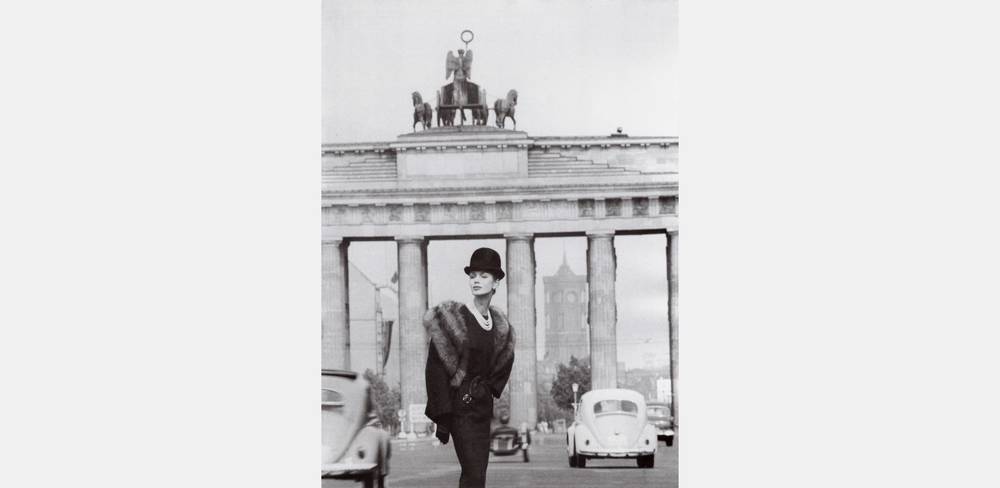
(497, 273)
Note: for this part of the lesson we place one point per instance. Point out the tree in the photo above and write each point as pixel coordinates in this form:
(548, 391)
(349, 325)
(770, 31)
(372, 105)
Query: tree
(548, 411)
(577, 371)
(386, 401)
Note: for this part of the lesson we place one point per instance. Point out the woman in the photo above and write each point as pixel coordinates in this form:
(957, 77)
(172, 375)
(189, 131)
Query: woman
(469, 360)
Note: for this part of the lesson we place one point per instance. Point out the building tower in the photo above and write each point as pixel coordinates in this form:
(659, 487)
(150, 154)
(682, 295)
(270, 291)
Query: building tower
(566, 331)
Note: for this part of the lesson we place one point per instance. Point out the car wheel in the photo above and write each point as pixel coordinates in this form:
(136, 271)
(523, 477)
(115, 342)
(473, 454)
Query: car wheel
(369, 480)
(572, 461)
(581, 462)
(645, 461)
(670, 441)
(381, 482)
(525, 455)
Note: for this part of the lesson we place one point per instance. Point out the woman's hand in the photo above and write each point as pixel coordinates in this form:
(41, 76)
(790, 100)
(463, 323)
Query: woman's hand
(441, 432)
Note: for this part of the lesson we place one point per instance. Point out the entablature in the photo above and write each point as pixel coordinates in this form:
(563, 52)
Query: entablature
(537, 216)
(585, 188)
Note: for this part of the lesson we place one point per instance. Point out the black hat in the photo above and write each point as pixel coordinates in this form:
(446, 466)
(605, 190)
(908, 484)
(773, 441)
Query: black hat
(485, 259)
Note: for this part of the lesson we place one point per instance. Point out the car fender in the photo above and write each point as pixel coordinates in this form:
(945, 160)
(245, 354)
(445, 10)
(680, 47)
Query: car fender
(570, 438)
(366, 446)
(650, 433)
(582, 434)
(385, 452)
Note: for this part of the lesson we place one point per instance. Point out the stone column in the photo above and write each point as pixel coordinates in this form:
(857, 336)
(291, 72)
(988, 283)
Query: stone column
(521, 312)
(335, 320)
(673, 245)
(603, 310)
(412, 252)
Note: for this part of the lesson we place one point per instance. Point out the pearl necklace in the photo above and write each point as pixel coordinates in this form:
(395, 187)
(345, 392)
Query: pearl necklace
(485, 322)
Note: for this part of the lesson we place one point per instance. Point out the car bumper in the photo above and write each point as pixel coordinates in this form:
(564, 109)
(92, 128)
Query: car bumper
(618, 453)
(347, 470)
(505, 452)
(664, 432)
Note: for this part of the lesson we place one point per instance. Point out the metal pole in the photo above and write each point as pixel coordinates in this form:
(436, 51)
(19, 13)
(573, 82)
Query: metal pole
(378, 331)
(576, 402)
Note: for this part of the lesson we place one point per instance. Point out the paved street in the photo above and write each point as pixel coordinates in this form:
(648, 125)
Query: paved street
(419, 464)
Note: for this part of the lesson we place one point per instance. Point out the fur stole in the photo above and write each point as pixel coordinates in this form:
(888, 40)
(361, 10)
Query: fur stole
(447, 331)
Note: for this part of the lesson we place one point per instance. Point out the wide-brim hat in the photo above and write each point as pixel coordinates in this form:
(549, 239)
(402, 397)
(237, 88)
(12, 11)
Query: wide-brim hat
(485, 259)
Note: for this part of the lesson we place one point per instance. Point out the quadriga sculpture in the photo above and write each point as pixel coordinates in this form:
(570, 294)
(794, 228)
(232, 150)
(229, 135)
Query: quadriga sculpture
(505, 108)
(423, 114)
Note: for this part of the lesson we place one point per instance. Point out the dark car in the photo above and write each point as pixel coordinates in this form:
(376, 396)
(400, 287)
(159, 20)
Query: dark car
(508, 441)
(658, 414)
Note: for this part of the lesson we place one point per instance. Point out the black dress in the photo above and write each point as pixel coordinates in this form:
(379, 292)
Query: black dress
(470, 417)
(467, 368)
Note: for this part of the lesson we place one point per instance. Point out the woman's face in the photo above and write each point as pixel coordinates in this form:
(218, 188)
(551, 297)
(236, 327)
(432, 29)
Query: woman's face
(482, 283)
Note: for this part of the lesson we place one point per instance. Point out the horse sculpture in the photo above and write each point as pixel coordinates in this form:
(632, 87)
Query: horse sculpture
(423, 114)
(481, 114)
(505, 108)
(445, 116)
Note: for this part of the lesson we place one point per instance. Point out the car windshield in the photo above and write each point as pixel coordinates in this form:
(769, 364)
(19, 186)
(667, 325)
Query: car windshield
(616, 406)
(657, 412)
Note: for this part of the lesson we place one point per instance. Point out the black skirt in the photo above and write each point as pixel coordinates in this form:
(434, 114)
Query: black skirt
(470, 429)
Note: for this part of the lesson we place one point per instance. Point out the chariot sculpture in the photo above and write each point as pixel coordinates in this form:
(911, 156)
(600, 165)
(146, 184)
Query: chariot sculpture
(461, 95)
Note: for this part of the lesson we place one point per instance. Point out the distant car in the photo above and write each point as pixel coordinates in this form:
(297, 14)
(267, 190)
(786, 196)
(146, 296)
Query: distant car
(354, 447)
(658, 414)
(611, 423)
(508, 441)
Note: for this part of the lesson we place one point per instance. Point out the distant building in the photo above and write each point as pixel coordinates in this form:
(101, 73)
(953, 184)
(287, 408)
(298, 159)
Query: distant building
(645, 381)
(566, 331)
(362, 320)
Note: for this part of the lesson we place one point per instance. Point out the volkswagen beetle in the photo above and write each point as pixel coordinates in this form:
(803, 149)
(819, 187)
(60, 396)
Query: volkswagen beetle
(354, 447)
(611, 423)
(658, 414)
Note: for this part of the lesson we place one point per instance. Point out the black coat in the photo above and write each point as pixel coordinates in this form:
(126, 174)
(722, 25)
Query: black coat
(447, 358)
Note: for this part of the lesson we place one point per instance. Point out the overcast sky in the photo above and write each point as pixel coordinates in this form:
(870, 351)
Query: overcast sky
(580, 68)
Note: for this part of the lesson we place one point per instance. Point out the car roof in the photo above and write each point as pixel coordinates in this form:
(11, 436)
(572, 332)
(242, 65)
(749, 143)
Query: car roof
(594, 396)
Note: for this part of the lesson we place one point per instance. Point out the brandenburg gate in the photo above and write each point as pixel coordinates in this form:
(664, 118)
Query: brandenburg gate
(480, 182)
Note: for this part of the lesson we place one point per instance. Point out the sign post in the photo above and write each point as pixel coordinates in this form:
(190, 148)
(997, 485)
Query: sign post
(416, 411)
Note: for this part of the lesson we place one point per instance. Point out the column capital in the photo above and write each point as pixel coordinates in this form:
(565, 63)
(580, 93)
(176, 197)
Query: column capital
(333, 241)
(600, 233)
(519, 236)
(673, 232)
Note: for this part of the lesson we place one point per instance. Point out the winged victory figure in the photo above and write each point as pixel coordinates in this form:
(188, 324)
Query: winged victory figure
(460, 65)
